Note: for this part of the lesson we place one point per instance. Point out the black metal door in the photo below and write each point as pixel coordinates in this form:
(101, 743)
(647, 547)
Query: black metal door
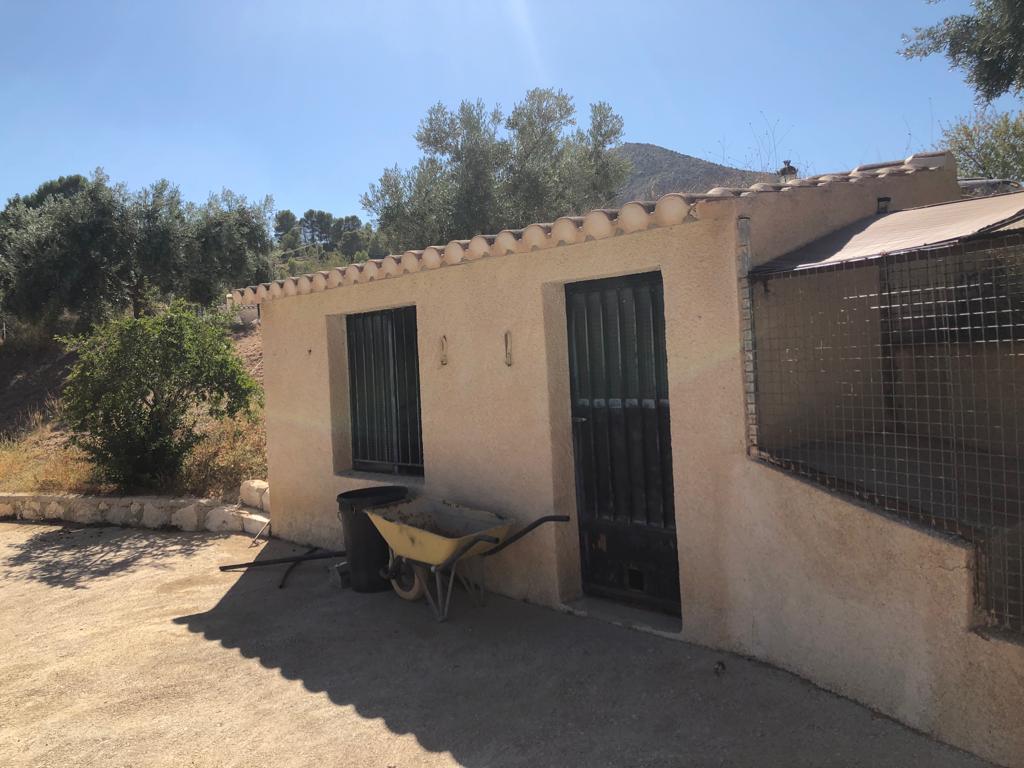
(623, 454)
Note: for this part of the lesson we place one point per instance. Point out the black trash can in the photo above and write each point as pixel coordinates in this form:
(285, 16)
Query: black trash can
(366, 549)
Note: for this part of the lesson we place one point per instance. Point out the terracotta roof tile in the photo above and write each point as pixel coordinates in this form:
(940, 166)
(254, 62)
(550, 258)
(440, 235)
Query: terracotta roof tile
(668, 210)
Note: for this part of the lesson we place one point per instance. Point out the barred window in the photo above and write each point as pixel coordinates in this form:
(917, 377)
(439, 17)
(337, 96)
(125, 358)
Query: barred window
(384, 387)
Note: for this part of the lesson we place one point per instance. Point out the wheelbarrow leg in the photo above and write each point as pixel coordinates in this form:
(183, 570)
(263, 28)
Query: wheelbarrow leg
(434, 597)
(445, 590)
(440, 598)
(433, 603)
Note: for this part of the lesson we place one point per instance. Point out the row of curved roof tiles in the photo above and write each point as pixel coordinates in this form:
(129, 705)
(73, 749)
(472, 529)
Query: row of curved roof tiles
(668, 210)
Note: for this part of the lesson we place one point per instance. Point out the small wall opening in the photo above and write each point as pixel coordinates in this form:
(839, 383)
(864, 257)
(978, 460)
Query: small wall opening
(635, 579)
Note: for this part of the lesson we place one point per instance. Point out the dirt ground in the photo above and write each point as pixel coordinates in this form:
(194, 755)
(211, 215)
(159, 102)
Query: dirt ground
(129, 648)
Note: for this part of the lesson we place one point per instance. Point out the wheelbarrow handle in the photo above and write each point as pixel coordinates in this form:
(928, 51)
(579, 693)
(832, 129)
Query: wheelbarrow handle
(478, 539)
(523, 531)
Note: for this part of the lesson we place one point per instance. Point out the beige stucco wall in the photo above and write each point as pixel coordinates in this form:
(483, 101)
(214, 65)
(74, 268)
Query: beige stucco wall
(789, 220)
(769, 566)
(861, 604)
(494, 436)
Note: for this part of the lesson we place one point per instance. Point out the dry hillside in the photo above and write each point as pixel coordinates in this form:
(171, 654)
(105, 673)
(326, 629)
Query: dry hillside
(657, 170)
(28, 380)
(35, 454)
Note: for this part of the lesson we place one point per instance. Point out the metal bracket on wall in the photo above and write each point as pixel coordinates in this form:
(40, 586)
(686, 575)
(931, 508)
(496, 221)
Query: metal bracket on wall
(444, 350)
(508, 348)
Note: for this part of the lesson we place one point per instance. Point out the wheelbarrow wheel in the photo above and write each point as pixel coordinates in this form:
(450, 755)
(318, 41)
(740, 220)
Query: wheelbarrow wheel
(409, 582)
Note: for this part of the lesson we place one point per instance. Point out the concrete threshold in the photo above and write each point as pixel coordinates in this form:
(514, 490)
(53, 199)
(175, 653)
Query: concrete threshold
(622, 615)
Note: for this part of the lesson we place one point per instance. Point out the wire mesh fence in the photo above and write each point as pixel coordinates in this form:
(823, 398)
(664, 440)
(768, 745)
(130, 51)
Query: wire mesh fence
(900, 380)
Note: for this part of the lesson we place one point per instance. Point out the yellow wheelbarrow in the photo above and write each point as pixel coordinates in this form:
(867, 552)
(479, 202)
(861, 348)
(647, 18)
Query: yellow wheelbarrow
(429, 537)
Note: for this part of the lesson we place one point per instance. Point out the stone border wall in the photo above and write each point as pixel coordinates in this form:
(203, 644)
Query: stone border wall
(186, 514)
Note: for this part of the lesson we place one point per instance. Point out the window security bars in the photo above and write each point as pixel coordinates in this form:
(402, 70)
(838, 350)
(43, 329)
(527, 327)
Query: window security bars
(384, 391)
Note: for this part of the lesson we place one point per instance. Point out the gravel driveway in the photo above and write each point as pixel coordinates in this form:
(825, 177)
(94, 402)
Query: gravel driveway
(129, 648)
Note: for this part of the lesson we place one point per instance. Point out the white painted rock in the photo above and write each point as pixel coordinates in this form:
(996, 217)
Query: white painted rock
(120, 512)
(190, 518)
(83, 511)
(223, 519)
(251, 492)
(31, 510)
(265, 502)
(155, 516)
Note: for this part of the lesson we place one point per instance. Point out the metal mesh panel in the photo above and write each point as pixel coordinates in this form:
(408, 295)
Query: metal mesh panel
(901, 380)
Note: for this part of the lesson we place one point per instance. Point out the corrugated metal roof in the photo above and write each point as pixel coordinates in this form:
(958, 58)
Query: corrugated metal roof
(909, 230)
(1013, 226)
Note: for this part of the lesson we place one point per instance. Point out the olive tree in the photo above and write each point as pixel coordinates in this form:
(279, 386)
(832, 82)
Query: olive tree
(987, 45)
(481, 170)
(96, 249)
(989, 144)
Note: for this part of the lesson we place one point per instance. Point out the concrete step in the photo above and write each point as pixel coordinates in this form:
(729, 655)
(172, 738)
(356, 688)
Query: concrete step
(254, 521)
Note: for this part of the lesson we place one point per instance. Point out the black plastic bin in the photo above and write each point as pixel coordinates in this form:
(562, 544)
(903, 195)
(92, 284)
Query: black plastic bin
(366, 549)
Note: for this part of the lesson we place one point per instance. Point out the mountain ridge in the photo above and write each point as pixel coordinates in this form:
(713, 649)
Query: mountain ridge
(657, 170)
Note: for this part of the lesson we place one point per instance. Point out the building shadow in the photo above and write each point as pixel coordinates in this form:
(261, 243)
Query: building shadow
(509, 684)
(74, 555)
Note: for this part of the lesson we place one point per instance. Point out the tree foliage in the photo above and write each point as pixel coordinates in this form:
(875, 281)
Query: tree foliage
(62, 250)
(316, 227)
(94, 248)
(320, 239)
(134, 396)
(63, 186)
(481, 170)
(988, 144)
(988, 46)
(284, 222)
(227, 244)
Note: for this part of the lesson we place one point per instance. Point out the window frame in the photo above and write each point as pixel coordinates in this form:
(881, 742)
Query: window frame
(385, 405)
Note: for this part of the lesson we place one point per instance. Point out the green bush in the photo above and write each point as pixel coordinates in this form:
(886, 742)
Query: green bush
(140, 386)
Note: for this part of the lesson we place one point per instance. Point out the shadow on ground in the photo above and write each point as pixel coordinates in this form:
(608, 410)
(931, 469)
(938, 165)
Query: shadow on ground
(74, 555)
(510, 684)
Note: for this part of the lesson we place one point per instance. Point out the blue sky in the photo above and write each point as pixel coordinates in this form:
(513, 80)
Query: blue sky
(309, 101)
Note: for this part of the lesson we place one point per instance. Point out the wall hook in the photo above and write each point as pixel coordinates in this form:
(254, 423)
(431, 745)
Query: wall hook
(508, 348)
(444, 350)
